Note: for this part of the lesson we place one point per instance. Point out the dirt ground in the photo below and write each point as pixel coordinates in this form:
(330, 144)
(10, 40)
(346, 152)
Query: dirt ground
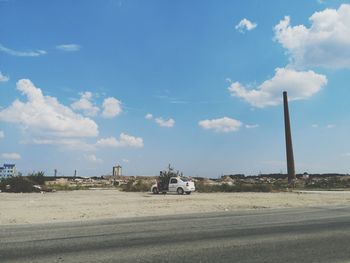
(98, 204)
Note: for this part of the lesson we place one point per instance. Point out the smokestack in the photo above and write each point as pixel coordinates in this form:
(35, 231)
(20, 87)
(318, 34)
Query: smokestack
(289, 145)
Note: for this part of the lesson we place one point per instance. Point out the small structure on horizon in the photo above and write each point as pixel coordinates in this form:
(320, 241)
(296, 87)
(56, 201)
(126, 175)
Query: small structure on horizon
(306, 176)
(117, 170)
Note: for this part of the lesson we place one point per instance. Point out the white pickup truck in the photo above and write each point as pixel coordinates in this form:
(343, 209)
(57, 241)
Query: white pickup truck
(179, 185)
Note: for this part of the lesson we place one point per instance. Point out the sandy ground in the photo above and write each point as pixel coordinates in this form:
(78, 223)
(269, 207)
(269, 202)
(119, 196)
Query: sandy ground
(98, 204)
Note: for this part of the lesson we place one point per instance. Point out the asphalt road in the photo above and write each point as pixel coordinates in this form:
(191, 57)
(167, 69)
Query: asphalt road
(278, 235)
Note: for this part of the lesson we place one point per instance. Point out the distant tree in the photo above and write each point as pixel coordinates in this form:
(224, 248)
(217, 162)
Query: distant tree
(37, 177)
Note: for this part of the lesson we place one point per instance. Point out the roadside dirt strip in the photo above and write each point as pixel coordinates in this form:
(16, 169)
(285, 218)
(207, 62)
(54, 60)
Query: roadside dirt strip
(100, 204)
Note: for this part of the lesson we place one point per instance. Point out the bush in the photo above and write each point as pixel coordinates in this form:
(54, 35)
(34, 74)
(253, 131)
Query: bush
(17, 184)
(327, 183)
(137, 186)
(37, 178)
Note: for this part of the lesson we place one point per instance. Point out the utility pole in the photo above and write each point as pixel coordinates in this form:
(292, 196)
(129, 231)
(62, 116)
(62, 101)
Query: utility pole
(289, 145)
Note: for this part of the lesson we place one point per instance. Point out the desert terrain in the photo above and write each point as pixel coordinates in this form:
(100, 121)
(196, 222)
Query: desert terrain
(102, 204)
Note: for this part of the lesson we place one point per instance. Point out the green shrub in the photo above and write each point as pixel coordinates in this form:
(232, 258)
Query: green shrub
(37, 178)
(17, 184)
(327, 183)
(137, 186)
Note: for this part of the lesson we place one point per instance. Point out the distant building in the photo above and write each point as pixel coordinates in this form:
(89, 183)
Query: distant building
(306, 175)
(117, 170)
(8, 170)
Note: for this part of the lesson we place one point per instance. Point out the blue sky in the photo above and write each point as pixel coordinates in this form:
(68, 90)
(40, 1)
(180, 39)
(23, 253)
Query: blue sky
(86, 85)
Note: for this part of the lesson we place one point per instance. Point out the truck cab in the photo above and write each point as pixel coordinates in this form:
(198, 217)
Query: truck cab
(179, 185)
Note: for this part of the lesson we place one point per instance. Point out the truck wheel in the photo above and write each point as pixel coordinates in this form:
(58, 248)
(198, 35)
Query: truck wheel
(180, 191)
(155, 191)
(188, 193)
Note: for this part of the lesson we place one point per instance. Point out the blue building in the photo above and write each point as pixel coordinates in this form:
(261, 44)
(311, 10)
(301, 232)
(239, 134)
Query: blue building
(8, 170)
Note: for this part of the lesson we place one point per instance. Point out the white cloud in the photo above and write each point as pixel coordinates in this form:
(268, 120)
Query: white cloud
(314, 125)
(149, 116)
(169, 123)
(3, 78)
(299, 85)
(11, 156)
(85, 105)
(326, 43)
(125, 140)
(17, 53)
(330, 126)
(111, 107)
(252, 126)
(108, 142)
(2, 135)
(224, 124)
(245, 25)
(125, 161)
(44, 115)
(69, 47)
(93, 159)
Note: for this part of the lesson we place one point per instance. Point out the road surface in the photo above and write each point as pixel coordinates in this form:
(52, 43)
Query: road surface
(270, 235)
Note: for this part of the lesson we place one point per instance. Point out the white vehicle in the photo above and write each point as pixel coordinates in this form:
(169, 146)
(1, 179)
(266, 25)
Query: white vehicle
(179, 185)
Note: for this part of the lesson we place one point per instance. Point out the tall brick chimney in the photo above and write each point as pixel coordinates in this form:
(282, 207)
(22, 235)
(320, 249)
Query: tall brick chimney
(289, 145)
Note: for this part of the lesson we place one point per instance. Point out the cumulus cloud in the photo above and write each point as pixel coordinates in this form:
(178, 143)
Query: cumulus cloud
(93, 159)
(169, 123)
(149, 116)
(125, 140)
(2, 135)
(3, 78)
(326, 43)
(299, 84)
(69, 47)
(17, 53)
(245, 25)
(11, 156)
(224, 124)
(111, 107)
(44, 115)
(85, 105)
